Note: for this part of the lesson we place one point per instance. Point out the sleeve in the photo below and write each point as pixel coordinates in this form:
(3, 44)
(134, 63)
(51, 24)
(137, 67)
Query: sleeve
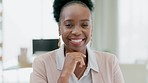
(117, 74)
(39, 74)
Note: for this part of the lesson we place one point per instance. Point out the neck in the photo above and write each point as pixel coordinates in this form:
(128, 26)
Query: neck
(66, 50)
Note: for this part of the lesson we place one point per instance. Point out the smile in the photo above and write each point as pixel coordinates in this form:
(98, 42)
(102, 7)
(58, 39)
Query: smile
(77, 42)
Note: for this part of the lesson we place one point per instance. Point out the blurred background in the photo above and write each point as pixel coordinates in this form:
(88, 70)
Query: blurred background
(119, 27)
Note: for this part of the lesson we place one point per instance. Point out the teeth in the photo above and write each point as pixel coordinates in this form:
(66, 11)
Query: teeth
(79, 40)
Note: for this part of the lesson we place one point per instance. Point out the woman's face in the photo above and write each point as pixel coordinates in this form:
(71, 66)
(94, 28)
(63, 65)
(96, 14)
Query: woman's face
(75, 27)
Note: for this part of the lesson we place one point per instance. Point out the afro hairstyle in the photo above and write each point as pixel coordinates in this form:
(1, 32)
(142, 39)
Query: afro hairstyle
(59, 4)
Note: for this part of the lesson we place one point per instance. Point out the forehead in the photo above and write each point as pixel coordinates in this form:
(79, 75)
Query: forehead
(75, 11)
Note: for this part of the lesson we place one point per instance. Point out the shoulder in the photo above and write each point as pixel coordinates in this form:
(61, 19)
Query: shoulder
(43, 65)
(105, 58)
(46, 58)
(104, 55)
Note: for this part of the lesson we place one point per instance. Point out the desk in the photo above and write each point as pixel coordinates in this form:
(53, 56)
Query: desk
(18, 75)
(18, 72)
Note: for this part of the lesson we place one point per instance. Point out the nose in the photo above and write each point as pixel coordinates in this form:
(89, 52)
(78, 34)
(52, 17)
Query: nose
(77, 30)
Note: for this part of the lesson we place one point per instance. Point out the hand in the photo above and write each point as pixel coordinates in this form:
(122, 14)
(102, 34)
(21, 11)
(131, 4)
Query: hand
(70, 63)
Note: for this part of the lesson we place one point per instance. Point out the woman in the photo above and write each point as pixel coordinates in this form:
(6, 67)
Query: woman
(75, 62)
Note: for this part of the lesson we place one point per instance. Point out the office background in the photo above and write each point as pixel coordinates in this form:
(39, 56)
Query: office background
(119, 27)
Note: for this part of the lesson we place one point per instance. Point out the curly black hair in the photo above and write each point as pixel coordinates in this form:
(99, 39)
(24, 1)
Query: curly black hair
(59, 4)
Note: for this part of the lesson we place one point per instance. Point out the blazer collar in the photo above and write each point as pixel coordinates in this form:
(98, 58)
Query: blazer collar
(92, 61)
(60, 58)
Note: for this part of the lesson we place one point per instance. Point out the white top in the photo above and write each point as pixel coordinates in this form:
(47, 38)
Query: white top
(86, 78)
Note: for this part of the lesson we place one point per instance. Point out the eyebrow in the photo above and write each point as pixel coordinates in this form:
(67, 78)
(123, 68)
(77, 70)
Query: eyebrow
(85, 20)
(70, 20)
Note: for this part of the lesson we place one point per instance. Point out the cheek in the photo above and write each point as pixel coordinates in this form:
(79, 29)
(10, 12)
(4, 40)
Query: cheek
(89, 33)
(65, 32)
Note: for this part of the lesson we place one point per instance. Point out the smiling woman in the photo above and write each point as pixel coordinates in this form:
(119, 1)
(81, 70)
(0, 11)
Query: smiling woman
(74, 61)
(75, 27)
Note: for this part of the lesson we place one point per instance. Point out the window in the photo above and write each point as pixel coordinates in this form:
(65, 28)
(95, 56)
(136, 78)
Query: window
(24, 20)
(133, 30)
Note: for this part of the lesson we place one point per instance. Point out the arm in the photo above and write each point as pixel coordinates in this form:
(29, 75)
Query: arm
(70, 63)
(39, 74)
(64, 77)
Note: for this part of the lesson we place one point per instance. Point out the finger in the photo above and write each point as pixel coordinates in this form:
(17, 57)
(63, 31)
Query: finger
(81, 58)
(82, 63)
(78, 58)
(83, 55)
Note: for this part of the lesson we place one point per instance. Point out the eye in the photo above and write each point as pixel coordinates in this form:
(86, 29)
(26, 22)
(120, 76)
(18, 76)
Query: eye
(69, 25)
(84, 25)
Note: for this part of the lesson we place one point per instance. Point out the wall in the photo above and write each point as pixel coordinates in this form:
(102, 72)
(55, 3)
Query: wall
(105, 26)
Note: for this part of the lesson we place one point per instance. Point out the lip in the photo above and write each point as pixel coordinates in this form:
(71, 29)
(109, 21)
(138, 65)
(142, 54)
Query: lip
(76, 41)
